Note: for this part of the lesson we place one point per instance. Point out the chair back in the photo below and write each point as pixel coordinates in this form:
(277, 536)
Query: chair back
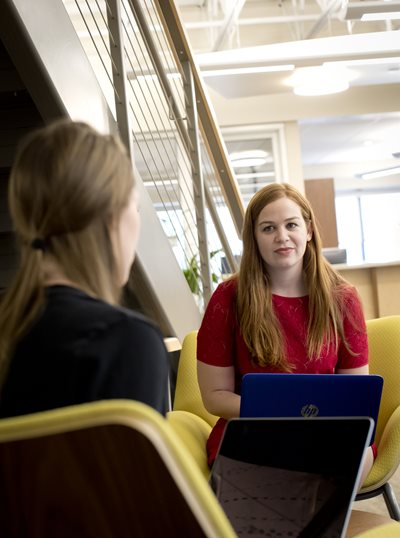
(187, 391)
(384, 360)
(102, 470)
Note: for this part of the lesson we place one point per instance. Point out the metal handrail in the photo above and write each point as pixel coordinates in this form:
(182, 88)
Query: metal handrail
(170, 128)
(212, 134)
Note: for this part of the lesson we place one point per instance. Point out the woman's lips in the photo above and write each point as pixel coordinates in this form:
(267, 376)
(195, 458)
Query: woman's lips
(286, 250)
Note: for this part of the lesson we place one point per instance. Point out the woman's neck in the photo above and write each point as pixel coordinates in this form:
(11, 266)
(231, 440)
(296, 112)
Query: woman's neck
(54, 275)
(287, 284)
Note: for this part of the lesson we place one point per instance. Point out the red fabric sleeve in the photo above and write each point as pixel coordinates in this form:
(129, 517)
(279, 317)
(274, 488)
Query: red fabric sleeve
(355, 331)
(216, 336)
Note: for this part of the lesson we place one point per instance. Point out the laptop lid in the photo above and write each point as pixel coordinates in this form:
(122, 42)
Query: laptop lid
(310, 395)
(289, 476)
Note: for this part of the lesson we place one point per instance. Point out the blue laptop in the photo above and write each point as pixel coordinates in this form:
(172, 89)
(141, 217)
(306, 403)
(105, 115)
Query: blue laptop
(311, 395)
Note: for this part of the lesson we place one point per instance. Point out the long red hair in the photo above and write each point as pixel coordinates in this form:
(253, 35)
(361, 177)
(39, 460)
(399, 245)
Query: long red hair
(258, 324)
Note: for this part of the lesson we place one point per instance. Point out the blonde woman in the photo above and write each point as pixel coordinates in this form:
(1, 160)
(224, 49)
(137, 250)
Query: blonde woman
(64, 340)
(287, 310)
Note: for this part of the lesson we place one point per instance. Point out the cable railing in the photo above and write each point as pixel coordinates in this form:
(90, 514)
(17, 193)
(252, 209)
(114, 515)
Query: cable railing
(181, 167)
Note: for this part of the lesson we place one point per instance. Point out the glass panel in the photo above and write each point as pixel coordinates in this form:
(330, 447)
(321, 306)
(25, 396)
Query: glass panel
(266, 141)
(349, 228)
(381, 223)
(252, 176)
(369, 227)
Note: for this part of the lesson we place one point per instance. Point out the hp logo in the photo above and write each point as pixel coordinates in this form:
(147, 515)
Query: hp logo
(309, 411)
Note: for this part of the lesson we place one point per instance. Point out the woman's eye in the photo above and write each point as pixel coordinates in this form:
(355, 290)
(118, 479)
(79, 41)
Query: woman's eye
(268, 229)
(291, 225)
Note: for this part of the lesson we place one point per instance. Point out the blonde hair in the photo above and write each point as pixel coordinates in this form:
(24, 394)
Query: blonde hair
(67, 183)
(259, 326)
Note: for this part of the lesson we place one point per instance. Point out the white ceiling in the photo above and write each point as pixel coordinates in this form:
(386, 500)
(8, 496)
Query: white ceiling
(337, 139)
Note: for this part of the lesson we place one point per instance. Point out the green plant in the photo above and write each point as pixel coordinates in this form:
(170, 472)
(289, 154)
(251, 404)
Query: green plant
(193, 275)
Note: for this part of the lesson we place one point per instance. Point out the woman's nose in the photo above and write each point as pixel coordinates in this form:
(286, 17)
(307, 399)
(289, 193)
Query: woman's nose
(281, 234)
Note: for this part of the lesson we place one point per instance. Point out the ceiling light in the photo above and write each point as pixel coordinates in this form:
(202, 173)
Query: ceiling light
(320, 80)
(248, 159)
(257, 175)
(366, 61)
(393, 15)
(321, 87)
(380, 173)
(356, 10)
(247, 70)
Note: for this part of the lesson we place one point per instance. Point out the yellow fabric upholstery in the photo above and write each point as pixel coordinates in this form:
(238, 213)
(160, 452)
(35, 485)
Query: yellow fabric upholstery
(99, 470)
(384, 359)
(384, 352)
(193, 432)
(187, 392)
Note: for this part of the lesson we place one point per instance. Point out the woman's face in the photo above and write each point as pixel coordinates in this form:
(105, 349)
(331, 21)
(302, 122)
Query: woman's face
(125, 235)
(282, 235)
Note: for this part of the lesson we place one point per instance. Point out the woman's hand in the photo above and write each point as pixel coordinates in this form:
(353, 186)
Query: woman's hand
(361, 370)
(217, 386)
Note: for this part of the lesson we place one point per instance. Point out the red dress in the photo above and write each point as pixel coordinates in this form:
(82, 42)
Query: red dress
(219, 342)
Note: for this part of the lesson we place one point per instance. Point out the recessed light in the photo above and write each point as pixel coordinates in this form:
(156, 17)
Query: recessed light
(380, 173)
(365, 61)
(320, 80)
(248, 159)
(383, 10)
(315, 88)
(246, 70)
(393, 15)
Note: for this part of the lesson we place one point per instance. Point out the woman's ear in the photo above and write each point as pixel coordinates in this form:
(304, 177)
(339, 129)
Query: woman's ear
(309, 232)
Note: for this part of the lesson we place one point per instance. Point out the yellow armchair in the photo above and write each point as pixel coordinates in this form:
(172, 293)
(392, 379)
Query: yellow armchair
(193, 422)
(189, 418)
(187, 391)
(384, 359)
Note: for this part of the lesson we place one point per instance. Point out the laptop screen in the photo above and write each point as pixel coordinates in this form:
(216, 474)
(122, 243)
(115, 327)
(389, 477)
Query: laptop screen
(310, 395)
(290, 477)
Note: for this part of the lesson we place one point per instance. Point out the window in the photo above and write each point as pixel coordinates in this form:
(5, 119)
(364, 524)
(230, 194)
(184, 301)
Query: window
(268, 139)
(369, 227)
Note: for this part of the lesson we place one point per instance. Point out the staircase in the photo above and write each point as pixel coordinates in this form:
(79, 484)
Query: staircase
(45, 74)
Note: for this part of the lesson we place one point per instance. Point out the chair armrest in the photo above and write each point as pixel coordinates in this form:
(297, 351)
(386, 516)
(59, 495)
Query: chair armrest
(193, 431)
(388, 458)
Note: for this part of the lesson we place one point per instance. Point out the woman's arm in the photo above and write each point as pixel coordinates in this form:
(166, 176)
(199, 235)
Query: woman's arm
(217, 385)
(353, 358)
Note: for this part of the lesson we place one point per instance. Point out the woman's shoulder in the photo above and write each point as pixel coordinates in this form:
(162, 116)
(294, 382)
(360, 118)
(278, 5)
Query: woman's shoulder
(77, 308)
(224, 296)
(348, 295)
(227, 288)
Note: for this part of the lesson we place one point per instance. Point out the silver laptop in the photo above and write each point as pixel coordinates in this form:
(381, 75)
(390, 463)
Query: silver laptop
(290, 477)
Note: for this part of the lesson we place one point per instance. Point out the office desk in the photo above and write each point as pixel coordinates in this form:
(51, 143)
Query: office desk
(378, 286)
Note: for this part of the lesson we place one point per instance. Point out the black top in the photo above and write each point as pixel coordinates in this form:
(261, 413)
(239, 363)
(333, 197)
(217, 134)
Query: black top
(82, 349)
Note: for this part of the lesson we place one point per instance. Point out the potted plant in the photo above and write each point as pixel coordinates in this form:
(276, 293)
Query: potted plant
(193, 275)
